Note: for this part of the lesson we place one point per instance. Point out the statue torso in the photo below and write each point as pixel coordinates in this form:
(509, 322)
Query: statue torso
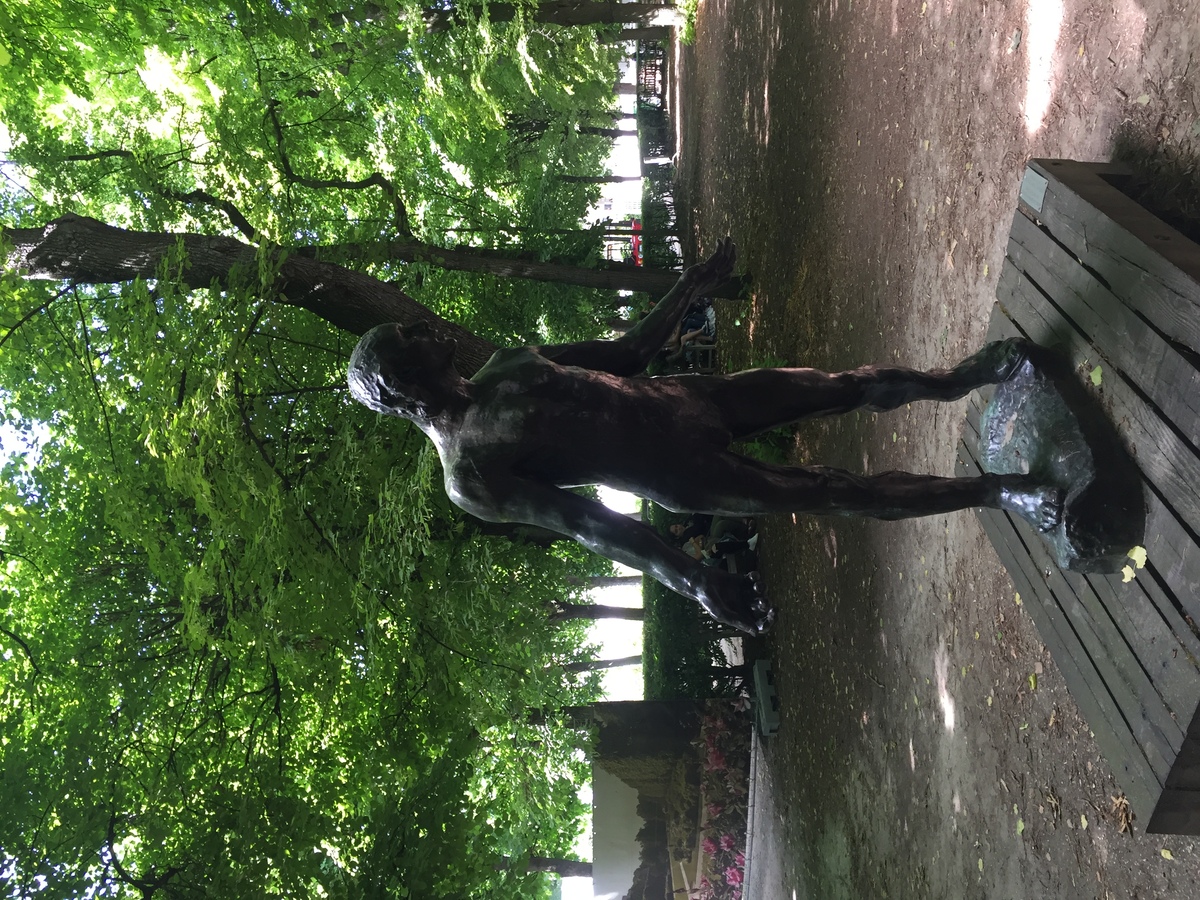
(569, 426)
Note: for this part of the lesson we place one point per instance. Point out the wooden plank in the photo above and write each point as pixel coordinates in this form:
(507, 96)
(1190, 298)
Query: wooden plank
(1165, 646)
(1125, 340)
(1175, 590)
(1120, 748)
(1147, 263)
(1167, 462)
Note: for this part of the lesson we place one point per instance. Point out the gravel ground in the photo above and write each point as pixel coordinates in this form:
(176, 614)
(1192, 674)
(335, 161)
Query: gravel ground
(866, 156)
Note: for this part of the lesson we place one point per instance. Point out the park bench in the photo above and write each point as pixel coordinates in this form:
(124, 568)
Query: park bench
(1093, 272)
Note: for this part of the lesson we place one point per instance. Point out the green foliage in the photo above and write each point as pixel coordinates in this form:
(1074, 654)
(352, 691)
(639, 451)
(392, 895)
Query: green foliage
(680, 643)
(247, 646)
(242, 615)
(688, 9)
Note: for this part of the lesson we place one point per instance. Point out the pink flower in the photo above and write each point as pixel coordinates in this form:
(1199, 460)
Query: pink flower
(716, 760)
(709, 846)
(727, 842)
(714, 810)
(733, 875)
(737, 894)
(740, 860)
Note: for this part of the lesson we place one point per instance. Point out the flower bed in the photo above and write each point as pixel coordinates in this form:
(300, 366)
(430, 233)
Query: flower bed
(724, 785)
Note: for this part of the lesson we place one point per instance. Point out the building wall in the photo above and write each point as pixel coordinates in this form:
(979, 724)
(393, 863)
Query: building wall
(615, 824)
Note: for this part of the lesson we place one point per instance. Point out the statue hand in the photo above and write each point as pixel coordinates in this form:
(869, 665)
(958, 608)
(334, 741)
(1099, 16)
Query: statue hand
(737, 600)
(709, 275)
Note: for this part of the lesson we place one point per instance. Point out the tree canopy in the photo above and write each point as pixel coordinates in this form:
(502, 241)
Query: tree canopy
(248, 647)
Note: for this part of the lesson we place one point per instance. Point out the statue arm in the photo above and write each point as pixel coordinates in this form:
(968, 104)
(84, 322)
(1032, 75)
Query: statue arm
(732, 599)
(633, 351)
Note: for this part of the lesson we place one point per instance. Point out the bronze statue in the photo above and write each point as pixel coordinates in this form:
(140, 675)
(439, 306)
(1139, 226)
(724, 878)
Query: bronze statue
(536, 421)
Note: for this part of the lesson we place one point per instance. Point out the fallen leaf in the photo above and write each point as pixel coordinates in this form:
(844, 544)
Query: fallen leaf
(1095, 376)
(1020, 826)
(1083, 822)
(1143, 100)
(1033, 681)
(1167, 854)
(1127, 574)
(1138, 555)
(1017, 598)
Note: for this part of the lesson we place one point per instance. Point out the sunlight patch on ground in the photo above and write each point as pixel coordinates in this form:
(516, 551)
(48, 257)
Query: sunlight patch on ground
(941, 667)
(1043, 23)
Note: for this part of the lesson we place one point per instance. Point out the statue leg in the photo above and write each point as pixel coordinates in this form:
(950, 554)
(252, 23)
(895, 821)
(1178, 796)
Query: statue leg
(733, 485)
(760, 399)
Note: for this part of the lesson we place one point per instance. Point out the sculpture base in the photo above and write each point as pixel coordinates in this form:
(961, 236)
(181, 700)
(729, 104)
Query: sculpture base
(1042, 422)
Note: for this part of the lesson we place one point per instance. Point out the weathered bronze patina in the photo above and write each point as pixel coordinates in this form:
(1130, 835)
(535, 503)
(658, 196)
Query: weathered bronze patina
(537, 421)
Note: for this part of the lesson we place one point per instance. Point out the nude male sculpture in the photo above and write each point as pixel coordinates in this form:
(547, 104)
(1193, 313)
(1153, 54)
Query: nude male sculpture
(536, 421)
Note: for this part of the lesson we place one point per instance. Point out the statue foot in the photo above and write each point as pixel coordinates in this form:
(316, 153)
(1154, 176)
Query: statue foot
(1039, 505)
(997, 362)
(740, 601)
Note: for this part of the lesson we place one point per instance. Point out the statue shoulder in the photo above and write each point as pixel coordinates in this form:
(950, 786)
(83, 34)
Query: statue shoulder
(469, 489)
(507, 361)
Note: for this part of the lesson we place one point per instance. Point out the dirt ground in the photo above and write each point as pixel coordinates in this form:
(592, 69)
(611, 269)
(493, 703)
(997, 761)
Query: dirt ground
(866, 156)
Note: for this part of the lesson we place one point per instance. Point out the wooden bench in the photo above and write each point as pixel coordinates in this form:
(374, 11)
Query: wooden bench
(1091, 271)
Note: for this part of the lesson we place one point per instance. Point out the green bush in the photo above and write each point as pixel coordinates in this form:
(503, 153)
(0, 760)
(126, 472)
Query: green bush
(680, 644)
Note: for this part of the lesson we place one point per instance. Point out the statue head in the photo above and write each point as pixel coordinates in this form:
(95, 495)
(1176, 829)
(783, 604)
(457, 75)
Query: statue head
(402, 370)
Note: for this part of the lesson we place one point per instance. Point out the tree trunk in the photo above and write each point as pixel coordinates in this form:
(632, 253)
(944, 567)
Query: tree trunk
(603, 581)
(566, 13)
(595, 665)
(598, 179)
(564, 868)
(660, 33)
(601, 131)
(79, 249)
(607, 275)
(564, 612)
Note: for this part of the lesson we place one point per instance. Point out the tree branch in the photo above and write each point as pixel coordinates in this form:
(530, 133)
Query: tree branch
(33, 312)
(83, 250)
(87, 356)
(239, 221)
(24, 646)
(376, 179)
